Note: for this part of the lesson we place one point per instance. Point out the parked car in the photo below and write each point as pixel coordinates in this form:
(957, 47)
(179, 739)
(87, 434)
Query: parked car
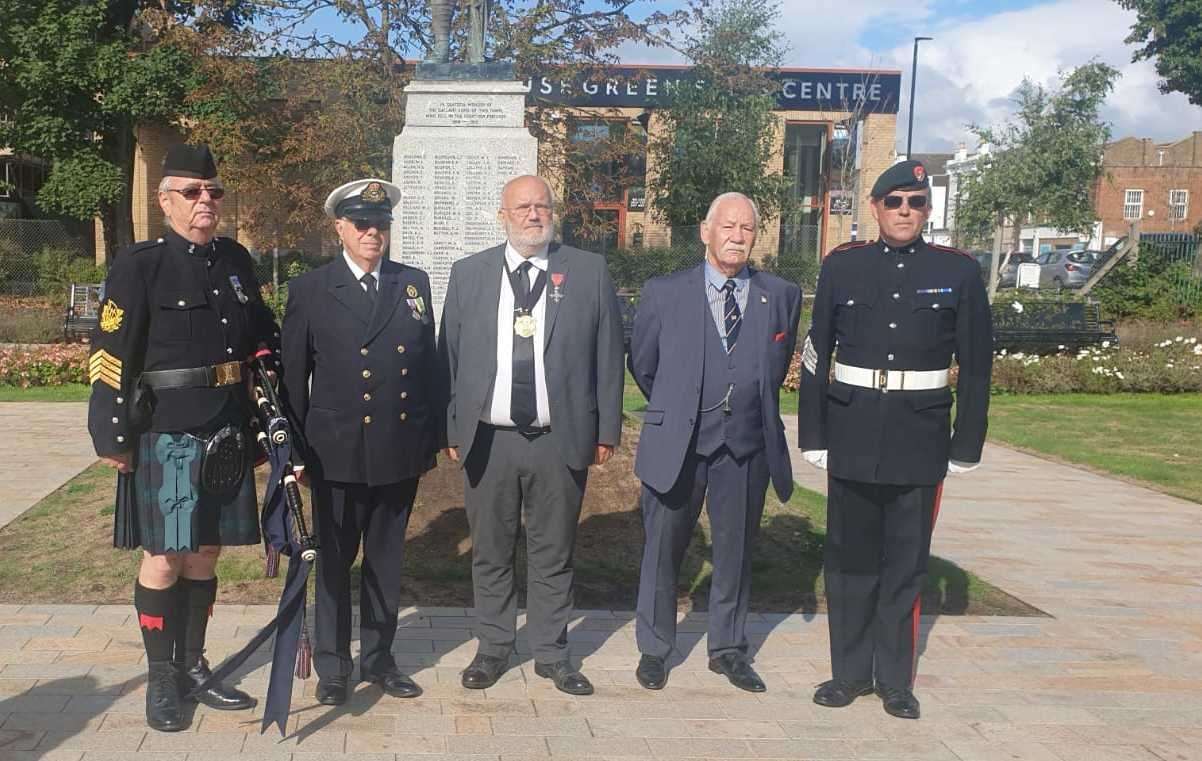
(1066, 269)
(1009, 272)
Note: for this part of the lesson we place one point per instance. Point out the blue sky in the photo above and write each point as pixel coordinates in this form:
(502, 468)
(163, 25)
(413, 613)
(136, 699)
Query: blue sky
(981, 52)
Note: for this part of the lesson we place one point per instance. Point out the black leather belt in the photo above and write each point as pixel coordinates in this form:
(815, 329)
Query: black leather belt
(225, 374)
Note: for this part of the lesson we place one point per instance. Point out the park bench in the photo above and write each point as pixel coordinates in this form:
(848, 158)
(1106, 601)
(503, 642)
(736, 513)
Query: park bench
(83, 310)
(1044, 328)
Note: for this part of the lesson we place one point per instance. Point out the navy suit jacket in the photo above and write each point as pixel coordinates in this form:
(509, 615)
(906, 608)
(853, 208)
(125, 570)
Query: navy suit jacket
(667, 349)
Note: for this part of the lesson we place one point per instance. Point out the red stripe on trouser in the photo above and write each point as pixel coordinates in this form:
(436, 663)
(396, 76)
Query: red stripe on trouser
(917, 611)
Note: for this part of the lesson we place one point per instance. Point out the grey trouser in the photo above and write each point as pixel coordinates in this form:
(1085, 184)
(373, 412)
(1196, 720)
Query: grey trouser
(506, 472)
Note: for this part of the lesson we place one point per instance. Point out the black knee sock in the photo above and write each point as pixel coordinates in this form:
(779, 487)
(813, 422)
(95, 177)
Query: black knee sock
(199, 596)
(157, 618)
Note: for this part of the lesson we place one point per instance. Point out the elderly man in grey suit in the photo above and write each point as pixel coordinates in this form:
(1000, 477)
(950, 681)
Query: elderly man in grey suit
(532, 340)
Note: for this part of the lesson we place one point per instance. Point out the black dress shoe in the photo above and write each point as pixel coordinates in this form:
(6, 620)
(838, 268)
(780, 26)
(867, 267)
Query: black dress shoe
(331, 691)
(652, 673)
(216, 695)
(838, 693)
(483, 672)
(736, 668)
(566, 677)
(163, 710)
(394, 683)
(898, 702)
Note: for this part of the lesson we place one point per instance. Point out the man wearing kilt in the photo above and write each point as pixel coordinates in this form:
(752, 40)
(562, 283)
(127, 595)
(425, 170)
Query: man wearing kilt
(169, 410)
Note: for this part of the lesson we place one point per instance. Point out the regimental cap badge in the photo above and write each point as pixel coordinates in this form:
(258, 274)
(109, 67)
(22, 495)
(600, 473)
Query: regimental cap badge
(920, 172)
(374, 193)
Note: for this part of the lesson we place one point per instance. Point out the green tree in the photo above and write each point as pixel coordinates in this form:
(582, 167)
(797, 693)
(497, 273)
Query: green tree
(80, 76)
(1170, 33)
(1045, 163)
(721, 137)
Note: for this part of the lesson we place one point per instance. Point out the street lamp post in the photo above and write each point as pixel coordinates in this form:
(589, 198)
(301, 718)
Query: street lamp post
(913, 82)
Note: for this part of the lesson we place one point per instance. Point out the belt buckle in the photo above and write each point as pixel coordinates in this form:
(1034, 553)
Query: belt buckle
(228, 373)
(882, 380)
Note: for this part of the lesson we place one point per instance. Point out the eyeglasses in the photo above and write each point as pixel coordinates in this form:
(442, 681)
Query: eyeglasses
(914, 202)
(542, 209)
(363, 225)
(192, 192)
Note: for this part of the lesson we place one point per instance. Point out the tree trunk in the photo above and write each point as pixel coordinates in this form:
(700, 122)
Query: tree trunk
(995, 261)
(117, 218)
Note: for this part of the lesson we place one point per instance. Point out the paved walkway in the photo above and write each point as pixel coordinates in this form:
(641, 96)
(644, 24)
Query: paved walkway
(43, 445)
(1113, 674)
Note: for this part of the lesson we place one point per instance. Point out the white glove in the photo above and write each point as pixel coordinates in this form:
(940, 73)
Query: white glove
(815, 457)
(956, 468)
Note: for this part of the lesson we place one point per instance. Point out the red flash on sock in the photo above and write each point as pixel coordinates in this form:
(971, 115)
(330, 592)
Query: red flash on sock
(210, 611)
(150, 623)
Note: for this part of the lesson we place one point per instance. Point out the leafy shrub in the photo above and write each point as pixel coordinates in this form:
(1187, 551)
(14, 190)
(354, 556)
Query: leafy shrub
(58, 268)
(53, 365)
(631, 267)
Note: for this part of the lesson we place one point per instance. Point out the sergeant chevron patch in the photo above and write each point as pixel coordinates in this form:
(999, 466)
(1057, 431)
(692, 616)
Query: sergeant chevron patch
(809, 356)
(106, 368)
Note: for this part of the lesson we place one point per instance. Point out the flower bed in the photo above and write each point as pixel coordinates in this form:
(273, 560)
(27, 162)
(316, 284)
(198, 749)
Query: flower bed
(44, 365)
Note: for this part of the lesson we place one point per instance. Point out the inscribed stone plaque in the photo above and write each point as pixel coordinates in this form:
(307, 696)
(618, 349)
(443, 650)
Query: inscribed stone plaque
(461, 143)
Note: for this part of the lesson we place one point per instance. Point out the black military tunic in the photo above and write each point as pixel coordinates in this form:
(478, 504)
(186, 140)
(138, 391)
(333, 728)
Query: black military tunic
(171, 304)
(882, 308)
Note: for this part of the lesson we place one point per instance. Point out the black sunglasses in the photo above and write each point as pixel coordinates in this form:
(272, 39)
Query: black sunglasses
(363, 225)
(193, 193)
(914, 202)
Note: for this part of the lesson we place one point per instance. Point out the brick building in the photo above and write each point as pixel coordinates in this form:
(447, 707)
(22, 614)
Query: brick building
(835, 134)
(1157, 184)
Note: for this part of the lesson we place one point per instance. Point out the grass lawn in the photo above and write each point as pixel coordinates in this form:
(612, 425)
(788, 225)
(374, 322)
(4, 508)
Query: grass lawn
(1151, 438)
(74, 393)
(61, 551)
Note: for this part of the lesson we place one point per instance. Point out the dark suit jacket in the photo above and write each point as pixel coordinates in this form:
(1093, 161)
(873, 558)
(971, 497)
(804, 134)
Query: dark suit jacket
(582, 355)
(667, 350)
(373, 412)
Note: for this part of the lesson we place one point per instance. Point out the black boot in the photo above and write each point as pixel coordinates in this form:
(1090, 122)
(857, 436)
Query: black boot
(163, 710)
(216, 695)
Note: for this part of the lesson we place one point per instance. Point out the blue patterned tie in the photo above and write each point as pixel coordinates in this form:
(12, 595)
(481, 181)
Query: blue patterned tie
(734, 318)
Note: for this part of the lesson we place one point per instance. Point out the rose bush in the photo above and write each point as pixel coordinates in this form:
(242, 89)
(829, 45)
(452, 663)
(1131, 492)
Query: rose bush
(44, 365)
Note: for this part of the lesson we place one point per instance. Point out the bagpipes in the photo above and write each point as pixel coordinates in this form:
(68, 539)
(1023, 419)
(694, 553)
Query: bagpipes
(285, 532)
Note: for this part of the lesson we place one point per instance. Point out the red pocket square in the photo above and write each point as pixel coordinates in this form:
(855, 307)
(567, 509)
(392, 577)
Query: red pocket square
(779, 338)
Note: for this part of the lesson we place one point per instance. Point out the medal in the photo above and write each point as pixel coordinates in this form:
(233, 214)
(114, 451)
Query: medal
(524, 325)
(557, 279)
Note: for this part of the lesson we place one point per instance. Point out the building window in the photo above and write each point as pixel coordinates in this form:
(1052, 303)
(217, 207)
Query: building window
(1133, 205)
(1178, 205)
(805, 159)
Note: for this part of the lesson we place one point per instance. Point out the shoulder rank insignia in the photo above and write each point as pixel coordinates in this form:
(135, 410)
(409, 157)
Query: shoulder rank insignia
(111, 316)
(106, 368)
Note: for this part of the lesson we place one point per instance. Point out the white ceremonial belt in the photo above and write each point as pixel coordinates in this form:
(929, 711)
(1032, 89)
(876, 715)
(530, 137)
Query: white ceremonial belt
(891, 380)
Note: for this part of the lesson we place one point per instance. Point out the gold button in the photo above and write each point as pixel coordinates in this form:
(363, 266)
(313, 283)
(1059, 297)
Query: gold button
(400, 349)
(367, 397)
(367, 418)
(404, 416)
(404, 394)
(404, 371)
(367, 373)
(363, 351)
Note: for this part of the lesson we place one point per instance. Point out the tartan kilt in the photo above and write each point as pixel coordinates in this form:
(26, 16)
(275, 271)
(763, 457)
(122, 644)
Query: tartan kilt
(162, 507)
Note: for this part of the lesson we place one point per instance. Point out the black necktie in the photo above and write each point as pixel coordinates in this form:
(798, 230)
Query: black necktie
(523, 407)
(734, 318)
(369, 287)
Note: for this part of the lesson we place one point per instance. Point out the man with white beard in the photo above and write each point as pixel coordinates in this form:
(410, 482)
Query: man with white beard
(532, 343)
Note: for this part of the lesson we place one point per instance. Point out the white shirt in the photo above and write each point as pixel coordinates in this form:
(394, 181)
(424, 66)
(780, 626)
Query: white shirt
(359, 272)
(502, 387)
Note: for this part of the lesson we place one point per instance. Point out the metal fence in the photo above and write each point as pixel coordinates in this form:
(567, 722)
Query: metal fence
(36, 254)
(1179, 255)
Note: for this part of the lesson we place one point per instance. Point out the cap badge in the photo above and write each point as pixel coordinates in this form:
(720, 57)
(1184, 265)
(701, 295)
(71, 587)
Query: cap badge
(920, 173)
(373, 193)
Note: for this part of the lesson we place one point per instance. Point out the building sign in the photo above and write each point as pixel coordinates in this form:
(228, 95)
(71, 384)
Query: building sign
(875, 92)
(841, 201)
(636, 199)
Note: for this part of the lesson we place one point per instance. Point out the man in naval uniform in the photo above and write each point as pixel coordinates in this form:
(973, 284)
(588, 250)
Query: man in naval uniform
(169, 410)
(361, 376)
(895, 312)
